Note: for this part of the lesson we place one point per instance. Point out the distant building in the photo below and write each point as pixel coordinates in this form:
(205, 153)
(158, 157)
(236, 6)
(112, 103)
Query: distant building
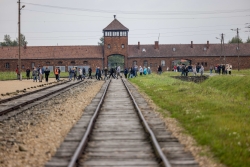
(117, 52)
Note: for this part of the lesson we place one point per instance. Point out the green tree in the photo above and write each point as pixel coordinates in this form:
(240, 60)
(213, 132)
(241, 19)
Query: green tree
(235, 40)
(22, 42)
(248, 40)
(9, 42)
(101, 41)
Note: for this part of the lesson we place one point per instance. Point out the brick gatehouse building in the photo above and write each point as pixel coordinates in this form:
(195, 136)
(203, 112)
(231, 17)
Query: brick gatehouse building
(116, 45)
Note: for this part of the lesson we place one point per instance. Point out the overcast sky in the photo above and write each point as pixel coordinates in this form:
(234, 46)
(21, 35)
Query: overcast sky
(78, 22)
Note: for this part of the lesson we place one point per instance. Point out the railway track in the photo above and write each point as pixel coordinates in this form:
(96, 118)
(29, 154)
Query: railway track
(114, 132)
(12, 106)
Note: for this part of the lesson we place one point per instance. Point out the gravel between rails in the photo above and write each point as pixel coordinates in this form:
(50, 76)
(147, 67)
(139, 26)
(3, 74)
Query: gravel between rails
(31, 138)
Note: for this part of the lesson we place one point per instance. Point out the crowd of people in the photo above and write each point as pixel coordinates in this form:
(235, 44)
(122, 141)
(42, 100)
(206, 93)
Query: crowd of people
(75, 73)
(195, 69)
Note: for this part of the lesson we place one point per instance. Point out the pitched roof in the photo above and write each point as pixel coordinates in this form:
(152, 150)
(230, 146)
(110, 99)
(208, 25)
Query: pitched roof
(115, 25)
(185, 50)
(51, 52)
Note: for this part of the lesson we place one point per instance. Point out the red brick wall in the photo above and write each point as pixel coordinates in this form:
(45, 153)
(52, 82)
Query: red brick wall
(154, 62)
(115, 48)
(52, 62)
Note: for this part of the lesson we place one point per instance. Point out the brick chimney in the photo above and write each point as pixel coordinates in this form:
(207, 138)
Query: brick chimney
(191, 44)
(208, 44)
(138, 45)
(156, 44)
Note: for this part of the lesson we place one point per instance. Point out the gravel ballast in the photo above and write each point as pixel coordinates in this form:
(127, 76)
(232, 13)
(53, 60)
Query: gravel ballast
(32, 137)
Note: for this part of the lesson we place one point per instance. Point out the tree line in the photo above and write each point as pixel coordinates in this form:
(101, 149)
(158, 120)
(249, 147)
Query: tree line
(8, 42)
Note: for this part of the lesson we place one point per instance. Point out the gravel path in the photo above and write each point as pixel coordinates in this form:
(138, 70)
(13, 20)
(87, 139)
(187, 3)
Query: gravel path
(31, 138)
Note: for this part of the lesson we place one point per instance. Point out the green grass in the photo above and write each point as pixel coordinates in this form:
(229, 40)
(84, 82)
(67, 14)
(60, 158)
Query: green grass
(216, 112)
(12, 75)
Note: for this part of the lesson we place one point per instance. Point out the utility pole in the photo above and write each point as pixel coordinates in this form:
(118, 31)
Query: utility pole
(221, 47)
(19, 39)
(238, 48)
(223, 50)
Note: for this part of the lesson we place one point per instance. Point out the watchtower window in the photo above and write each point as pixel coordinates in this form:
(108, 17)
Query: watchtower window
(123, 33)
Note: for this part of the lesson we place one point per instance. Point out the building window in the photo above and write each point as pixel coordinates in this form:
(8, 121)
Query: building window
(134, 63)
(123, 33)
(115, 33)
(73, 62)
(156, 65)
(7, 65)
(151, 64)
(47, 63)
(163, 62)
(109, 46)
(205, 64)
(143, 49)
(60, 62)
(85, 62)
(202, 63)
(145, 63)
(174, 49)
(32, 65)
(123, 46)
(22, 66)
(205, 48)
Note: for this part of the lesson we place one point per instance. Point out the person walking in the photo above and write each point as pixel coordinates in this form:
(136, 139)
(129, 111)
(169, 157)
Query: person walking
(159, 70)
(149, 70)
(118, 71)
(46, 72)
(80, 74)
(202, 70)
(83, 73)
(90, 71)
(211, 69)
(56, 73)
(126, 73)
(41, 72)
(105, 73)
(140, 70)
(17, 73)
(194, 70)
(34, 74)
(28, 73)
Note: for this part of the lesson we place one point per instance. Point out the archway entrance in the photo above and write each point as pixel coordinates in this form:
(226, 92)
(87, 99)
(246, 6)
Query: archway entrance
(115, 61)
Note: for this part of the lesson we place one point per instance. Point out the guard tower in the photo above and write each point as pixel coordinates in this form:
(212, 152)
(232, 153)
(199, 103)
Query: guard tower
(115, 44)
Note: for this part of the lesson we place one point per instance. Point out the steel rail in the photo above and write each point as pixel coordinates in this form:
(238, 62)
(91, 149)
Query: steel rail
(28, 93)
(35, 99)
(155, 142)
(84, 139)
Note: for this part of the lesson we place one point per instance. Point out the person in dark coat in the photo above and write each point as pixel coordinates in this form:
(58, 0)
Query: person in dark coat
(90, 71)
(126, 72)
(46, 72)
(28, 73)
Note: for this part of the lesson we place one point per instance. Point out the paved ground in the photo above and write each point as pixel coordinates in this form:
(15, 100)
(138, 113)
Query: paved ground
(13, 85)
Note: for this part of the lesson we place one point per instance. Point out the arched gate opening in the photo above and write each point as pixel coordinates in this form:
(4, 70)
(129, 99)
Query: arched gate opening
(115, 61)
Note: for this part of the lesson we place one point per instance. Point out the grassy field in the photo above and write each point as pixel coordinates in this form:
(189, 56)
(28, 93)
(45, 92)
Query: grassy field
(12, 75)
(216, 112)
